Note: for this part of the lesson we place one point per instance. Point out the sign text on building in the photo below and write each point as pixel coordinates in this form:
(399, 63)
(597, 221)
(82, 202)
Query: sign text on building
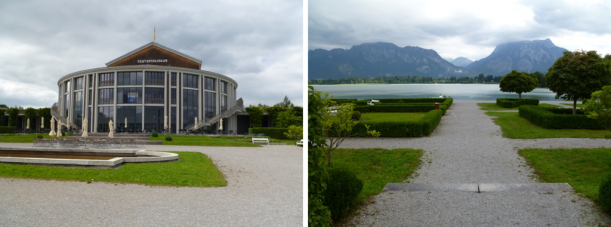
(153, 61)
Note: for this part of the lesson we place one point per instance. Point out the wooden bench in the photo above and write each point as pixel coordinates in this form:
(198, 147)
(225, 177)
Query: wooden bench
(254, 140)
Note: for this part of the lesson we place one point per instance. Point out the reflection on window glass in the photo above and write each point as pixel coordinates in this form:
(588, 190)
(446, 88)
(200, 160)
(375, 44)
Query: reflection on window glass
(173, 79)
(154, 78)
(210, 105)
(208, 83)
(129, 78)
(189, 107)
(106, 96)
(189, 80)
(105, 115)
(153, 95)
(129, 95)
(106, 79)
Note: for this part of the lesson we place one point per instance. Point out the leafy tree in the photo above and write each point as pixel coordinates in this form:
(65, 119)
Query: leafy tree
(599, 105)
(541, 78)
(481, 78)
(576, 75)
(518, 82)
(287, 118)
(295, 132)
(2, 111)
(12, 116)
(286, 103)
(256, 115)
(337, 125)
(46, 113)
(318, 213)
(273, 112)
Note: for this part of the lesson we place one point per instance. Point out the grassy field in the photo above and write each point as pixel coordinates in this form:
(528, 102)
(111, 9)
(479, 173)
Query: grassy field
(493, 106)
(571, 105)
(19, 138)
(582, 168)
(516, 127)
(194, 170)
(391, 116)
(376, 167)
(200, 140)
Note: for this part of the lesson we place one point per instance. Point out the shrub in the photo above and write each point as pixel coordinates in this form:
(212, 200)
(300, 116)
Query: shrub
(356, 115)
(168, 138)
(423, 127)
(39, 136)
(559, 118)
(511, 103)
(604, 194)
(154, 134)
(342, 189)
(277, 133)
(7, 129)
(408, 107)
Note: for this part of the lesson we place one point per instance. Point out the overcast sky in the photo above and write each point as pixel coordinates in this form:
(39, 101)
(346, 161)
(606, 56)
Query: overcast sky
(459, 28)
(257, 43)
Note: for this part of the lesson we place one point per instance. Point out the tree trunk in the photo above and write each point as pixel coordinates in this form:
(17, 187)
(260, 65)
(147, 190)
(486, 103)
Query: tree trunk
(520, 95)
(575, 106)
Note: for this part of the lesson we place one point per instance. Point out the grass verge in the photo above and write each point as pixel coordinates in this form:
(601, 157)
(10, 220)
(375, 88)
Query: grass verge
(193, 170)
(493, 106)
(582, 168)
(200, 140)
(571, 105)
(376, 167)
(391, 116)
(23, 138)
(516, 127)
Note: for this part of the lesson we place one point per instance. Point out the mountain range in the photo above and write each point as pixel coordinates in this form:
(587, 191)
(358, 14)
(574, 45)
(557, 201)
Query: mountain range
(387, 59)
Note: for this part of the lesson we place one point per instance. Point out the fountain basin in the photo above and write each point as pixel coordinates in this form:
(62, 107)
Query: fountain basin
(81, 157)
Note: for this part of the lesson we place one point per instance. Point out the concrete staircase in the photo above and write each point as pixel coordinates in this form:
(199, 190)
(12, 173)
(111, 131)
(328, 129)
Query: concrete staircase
(104, 135)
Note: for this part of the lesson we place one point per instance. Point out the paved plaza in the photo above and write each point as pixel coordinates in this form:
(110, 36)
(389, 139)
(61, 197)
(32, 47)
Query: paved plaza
(467, 148)
(265, 188)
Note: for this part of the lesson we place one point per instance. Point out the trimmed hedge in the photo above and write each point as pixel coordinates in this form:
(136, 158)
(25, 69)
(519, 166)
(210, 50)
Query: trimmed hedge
(559, 118)
(356, 115)
(342, 101)
(7, 129)
(511, 103)
(342, 189)
(407, 108)
(276, 133)
(604, 194)
(423, 127)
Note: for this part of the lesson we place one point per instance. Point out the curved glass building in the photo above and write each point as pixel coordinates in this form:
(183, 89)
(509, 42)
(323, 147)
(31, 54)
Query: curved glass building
(139, 89)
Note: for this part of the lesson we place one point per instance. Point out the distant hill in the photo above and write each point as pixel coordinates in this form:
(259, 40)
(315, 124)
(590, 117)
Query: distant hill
(461, 61)
(524, 56)
(379, 59)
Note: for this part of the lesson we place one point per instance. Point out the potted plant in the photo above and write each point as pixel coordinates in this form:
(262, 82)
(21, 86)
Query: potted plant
(154, 128)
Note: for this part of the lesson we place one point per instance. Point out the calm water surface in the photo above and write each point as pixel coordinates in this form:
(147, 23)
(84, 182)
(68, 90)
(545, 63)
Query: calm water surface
(456, 91)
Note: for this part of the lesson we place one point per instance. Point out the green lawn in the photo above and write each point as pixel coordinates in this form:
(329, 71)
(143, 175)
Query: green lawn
(582, 168)
(19, 138)
(200, 140)
(391, 116)
(571, 105)
(194, 169)
(248, 139)
(376, 166)
(516, 127)
(493, 106)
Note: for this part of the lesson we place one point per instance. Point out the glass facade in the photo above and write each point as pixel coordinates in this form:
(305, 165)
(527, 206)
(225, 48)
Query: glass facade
(223, 87)
(189, 80)
(129, 95)
(173, 79)
(89, 98)
(78, 83)
(133, 115)
(105, 115)
(90, 80)
(78, 109)
(106, 79)
(223, 102)
(173, 95)
(154, 95)
(67, 87)
(89, 121)
(106, 96)
(153, 116)
(67, 106)
(129, 78)
(209, 83)
(210, 105)
(172, 119)
(154, 78)
(189, 107)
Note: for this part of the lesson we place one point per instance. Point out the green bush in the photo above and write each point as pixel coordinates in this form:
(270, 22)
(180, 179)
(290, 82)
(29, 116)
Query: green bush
(393, 105)
(511, 103)
(276, 133)
(168, 138)
(39, 136)
(7, 129)
(356, 115)
(423, 127)
(342, 101)
(342, 189)
(604, 194)
(154, 134)
(559, 118)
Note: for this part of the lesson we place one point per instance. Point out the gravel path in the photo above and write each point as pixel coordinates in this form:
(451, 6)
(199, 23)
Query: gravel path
(467, 147)
(265, 188)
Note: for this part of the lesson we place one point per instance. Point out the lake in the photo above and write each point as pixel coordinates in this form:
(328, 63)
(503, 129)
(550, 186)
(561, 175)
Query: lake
(455, 91)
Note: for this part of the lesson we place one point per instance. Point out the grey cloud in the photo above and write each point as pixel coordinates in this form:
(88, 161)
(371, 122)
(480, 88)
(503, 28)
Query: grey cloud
(576, 16)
